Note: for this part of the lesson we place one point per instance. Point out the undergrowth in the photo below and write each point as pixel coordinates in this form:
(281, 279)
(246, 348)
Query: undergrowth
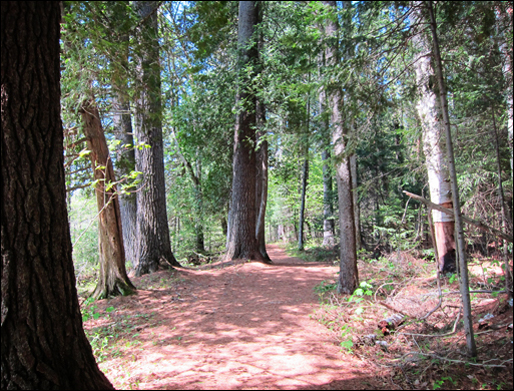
(427, 348)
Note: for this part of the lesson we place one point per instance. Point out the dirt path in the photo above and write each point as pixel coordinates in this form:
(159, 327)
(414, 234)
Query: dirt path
(244, 326)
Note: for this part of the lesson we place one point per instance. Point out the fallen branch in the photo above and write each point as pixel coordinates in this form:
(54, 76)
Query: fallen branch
(393, 309)
(436, 335)
(483, 291)
(432, 355)
(476, 223)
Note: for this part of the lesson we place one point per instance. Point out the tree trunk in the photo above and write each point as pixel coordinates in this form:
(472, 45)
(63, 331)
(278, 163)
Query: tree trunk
(433, 147)
(43, 344)
(152, 223)
(504, 30)
(125, 164)
(199, 231)
(356, 209)
(463, 266)
(242, 241)
(328, 206)
(261, 183)
(348, 276)
(506, 266)
(113, 279)
(328, 209)
(261, 190)
(305, 176)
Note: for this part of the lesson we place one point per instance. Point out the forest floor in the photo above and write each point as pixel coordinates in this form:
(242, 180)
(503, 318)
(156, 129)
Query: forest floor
(246, 325)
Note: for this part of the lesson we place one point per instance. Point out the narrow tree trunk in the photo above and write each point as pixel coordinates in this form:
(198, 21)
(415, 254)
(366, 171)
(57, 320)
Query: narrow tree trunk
(43, 345)
(328, 209)
(433, 147)
(305, 177)
(504, 30)
(125, 154)
(328, 206)
(356, 209)
(113, 279)
(199, 231)
(506, 266)
(463, 266)
(348, 275)
(261, 191)
(126, 162)
(152, 222)
(242, 241)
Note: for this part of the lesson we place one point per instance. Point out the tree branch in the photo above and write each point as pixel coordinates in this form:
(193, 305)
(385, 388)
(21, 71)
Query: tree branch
(476, 223)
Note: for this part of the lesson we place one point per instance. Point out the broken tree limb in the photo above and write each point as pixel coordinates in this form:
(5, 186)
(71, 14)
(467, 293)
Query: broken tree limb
(476, 223)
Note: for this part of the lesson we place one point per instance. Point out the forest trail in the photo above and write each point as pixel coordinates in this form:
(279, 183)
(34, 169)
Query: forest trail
(244, 326)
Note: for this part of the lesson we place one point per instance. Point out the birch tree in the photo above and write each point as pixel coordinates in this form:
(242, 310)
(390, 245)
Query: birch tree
(433, 147)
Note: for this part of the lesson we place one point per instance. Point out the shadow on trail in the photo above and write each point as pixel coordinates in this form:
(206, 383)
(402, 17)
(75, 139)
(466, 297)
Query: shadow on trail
(242, 326)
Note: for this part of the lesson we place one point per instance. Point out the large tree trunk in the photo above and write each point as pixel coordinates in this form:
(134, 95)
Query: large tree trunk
(348, 276)
(433, 147)
(459, 229)
(153, 235)
(43, 344)
(242, 241)
(113, 279)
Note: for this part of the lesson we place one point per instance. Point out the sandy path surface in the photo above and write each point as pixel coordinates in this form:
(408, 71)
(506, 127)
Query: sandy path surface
(244, 326)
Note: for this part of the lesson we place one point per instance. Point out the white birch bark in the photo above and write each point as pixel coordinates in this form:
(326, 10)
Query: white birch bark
(433, 147)
(429, 112)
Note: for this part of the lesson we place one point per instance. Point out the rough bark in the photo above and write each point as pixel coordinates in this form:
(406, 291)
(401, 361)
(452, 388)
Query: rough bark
(459, 229)
(242, 241)
(433, 147)
(43, 344)
(348, 275)
(113, 279)
(152, 223)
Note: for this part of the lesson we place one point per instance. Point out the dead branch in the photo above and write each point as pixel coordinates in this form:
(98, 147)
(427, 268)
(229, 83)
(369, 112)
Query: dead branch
(432, 355)
(393, 309)
(479, 224)
(454, 330)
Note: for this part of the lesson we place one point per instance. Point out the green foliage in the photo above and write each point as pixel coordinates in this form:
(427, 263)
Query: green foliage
(325, 286)
(347, 341)
(84, 233)
(364, 289)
